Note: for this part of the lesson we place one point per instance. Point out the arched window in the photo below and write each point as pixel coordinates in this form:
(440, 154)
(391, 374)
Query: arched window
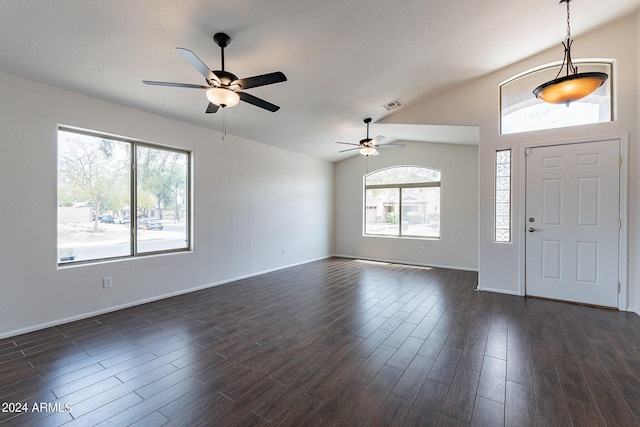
(403, 202)
(521, 111)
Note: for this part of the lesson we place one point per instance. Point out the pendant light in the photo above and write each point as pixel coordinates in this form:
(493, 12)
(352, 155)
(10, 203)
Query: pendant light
(573, 86)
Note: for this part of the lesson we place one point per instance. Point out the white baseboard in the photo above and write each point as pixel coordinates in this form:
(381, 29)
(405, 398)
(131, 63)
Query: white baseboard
(634, 310)
(498, 291)
(395, 261)
(146, 300)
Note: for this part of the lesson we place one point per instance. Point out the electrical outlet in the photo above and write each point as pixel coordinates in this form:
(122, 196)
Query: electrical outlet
(421, 249)
(283, 251)
(107, 282)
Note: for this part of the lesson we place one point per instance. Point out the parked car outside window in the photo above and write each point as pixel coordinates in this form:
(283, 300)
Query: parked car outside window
(122, 219)
(107, 219)
(150, 224)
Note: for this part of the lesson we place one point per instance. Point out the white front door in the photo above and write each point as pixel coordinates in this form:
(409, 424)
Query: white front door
(572, 213)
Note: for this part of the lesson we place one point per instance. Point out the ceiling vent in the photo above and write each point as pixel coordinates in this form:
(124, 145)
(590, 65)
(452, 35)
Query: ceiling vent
(392, 105)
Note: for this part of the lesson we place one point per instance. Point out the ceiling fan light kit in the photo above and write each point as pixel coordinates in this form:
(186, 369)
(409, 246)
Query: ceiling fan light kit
(573, 86)
(223, 97)
(368, 151)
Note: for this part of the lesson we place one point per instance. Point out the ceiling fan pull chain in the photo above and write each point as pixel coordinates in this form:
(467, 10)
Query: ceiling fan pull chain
(224, 123)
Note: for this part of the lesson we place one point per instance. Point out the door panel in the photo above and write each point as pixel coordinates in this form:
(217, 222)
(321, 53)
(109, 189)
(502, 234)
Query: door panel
(551, 259)
(551, 206)
(588, 261)
(572, 200)
(588, 194)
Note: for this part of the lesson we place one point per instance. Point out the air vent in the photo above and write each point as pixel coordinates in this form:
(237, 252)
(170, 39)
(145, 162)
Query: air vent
(392, 105)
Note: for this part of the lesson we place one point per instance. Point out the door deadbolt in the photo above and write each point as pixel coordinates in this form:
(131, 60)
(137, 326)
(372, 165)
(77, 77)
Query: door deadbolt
(532, 219)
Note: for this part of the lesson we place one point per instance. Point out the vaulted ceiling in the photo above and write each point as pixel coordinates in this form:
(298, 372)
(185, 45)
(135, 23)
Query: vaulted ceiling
(344, 59)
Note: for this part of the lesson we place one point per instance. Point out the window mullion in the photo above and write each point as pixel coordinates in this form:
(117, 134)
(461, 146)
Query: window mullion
(400, 212)
(133, 211)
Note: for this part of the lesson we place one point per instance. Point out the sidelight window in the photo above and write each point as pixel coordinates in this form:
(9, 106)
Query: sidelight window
(503, 196)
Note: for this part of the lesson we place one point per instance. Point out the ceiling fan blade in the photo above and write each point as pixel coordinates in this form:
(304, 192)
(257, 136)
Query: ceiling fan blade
(347, 143)
(262, 80)
(198, 64)
(258, 102)
(349, 149)
(171, 84)
(212, 108)
(391, 146)
(375, 141)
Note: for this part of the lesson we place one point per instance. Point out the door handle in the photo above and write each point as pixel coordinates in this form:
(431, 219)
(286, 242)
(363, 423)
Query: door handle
(531, 229)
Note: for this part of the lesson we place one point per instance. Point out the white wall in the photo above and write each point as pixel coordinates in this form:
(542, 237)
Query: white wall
(478, 103)
(250, 202)
(458, 246)
(633, 177)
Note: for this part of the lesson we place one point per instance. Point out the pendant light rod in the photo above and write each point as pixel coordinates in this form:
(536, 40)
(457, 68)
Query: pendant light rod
(571, 69)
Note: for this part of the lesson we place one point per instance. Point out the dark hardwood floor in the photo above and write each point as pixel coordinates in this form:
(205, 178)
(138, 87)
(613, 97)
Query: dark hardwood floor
(333, 342)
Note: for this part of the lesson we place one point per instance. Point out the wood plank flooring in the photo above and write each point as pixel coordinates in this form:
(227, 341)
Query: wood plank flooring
(334, 342)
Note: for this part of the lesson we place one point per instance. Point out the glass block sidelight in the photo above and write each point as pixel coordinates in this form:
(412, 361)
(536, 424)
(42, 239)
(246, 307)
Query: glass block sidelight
(503, 196)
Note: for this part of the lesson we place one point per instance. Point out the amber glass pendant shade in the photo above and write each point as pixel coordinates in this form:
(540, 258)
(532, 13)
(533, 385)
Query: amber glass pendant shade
(567, 89)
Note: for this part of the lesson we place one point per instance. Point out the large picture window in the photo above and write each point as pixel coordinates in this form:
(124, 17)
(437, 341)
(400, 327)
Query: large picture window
(119, 198)
(402, 201)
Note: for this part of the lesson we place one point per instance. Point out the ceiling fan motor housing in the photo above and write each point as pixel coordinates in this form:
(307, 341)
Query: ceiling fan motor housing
(225, 77)
(366, 142)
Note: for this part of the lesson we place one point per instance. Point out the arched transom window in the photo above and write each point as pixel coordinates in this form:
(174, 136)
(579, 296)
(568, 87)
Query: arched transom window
(403, 202)
(521, 111)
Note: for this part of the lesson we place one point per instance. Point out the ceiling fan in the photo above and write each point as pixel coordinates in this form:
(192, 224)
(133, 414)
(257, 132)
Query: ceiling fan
(368, 146)
(224, 89)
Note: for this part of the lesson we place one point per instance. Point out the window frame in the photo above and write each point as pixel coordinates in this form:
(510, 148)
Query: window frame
(400, 187)
(133, 190)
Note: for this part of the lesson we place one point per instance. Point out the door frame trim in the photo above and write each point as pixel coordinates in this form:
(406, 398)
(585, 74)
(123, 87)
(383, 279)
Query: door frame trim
(622, 209)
